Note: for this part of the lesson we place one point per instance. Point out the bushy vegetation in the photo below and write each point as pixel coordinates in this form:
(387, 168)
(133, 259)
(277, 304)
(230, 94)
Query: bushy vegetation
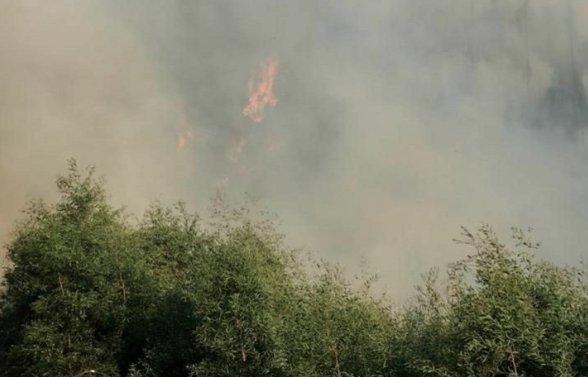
(91, 293)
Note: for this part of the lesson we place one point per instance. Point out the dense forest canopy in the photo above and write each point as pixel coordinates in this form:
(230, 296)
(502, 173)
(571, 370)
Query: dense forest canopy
(91, 293)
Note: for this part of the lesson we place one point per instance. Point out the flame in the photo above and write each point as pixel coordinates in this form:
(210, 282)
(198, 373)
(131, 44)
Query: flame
(274, 143)
(223, 183)
(234, 153)
(261, 95)
(261, 90)
(183, 129)
(183, 138)
(581, 18)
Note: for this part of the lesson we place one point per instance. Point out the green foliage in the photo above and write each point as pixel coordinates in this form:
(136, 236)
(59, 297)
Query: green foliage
(174, 295)
(504, 314)
(63, 305)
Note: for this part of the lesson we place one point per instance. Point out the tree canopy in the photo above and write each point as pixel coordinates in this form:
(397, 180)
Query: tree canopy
(89, 292)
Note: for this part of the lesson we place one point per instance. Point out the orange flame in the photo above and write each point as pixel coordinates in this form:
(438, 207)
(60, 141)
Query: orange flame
(183, 129)
(234, 153)
(261, 90)
(274, 143)
(183, 138)
(260, 95)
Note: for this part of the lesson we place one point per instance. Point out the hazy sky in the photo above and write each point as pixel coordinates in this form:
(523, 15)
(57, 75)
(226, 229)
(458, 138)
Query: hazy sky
(396, 121)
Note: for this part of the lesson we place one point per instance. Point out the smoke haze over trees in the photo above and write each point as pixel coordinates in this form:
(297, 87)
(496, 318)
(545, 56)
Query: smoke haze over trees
(395, 122)
(92, 293)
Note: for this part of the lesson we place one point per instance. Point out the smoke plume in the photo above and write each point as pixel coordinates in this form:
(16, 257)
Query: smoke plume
(397, 121)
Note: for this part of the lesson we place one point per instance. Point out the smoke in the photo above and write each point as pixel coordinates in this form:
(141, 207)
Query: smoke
(396, 122)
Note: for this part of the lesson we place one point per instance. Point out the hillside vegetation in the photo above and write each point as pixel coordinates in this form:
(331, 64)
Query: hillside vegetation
(91, 293)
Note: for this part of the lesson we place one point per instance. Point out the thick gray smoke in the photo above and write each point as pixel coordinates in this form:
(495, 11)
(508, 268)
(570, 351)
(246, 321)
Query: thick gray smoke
(396, 122)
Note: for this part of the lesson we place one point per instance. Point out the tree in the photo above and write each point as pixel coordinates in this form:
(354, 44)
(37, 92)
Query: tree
(177, 295)
(505, 314)
(64, 305)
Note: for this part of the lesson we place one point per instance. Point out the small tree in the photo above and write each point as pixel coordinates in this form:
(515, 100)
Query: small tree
(505, 314)
(64, 305)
